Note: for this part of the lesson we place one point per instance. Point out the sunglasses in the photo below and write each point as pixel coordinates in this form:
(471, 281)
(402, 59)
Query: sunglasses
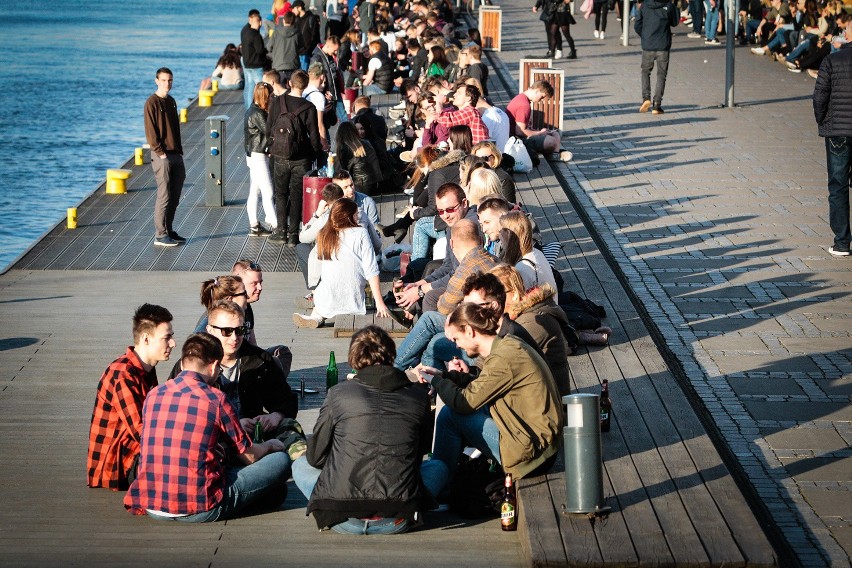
(227, 331)
(452, 209)
(243, 293)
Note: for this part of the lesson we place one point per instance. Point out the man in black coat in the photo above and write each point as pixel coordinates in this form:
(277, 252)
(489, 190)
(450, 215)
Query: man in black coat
(308, 25)
(254, 55)
(288, 170)
(653, 24)
(833, 112)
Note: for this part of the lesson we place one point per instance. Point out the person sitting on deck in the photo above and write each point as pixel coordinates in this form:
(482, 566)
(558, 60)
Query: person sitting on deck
(182, 476)
(361, 472)
(116, 426)
(224, 287)
(379, 77)
(252, 277)
(465, 99)
(254, 385)
(510, 410)
(543, 141)
(348, 263)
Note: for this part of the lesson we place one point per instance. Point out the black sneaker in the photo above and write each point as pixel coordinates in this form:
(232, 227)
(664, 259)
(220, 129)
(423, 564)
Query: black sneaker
(165, 242)
(259, 231)
(657, 110)
(292, 239)
(175, 237)
(278, 237)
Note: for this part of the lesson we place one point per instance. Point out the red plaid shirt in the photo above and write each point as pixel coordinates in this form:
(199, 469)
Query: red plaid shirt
(469, 116)
(179, 471)
(117, 421)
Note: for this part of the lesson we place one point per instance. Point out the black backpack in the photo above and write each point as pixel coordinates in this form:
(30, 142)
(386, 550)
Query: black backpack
(286, 132)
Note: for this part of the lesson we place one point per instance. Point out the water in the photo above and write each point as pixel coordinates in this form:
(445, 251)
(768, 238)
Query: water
(74, 78)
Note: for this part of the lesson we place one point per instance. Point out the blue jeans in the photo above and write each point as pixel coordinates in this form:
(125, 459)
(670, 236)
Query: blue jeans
(304, 61)
(424, 229)
(799, 50)
(305, 476)
(251, 77)
(838, 159)
(441, 350)
(264, 481)
(427, 326)
(696, 11)
(454, 432)
(234, 87)
(373, 89)
(711, 20)
(751, 29)
(341, 112)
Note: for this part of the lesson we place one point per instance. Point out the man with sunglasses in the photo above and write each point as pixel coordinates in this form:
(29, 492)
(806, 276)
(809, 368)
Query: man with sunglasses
(451, 206)
(251, 380)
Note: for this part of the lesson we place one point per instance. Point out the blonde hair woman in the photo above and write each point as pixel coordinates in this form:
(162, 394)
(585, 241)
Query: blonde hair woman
(483, 183)
(533, 266)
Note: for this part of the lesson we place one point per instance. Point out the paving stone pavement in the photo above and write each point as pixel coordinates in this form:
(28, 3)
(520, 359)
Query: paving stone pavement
(717, 221)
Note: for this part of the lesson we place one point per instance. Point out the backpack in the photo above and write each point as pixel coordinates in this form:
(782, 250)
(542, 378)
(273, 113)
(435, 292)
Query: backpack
(286, 133)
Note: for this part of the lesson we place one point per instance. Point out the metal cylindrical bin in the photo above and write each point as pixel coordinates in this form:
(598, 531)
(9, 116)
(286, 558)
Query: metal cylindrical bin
(312, 185)
(583, 465)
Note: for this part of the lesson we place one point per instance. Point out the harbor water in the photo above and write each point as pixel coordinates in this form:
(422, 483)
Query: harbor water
(75, 76)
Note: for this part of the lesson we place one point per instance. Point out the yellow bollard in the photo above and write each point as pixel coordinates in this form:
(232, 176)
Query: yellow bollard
(215, 85)
(115, 183)
(183, 115)
(72, 218)
(205, 98)
(139, 157)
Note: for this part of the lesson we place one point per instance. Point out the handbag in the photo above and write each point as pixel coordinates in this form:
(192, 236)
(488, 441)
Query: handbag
(516, 148)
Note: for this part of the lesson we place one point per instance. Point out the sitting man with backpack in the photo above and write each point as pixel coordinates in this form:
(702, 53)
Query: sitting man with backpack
(295, 143)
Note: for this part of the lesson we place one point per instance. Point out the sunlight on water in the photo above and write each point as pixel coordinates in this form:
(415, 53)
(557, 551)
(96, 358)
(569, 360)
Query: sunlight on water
(75, 76)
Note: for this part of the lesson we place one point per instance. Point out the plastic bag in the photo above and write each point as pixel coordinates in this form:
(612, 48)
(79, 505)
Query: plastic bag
(515, 148)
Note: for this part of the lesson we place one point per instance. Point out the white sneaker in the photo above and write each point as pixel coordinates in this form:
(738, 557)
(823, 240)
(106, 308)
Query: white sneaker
(557, 54)
(401, 105)
(408, 191)
(758, 50)
(566, 156)
(307, 322)
(834, 252)
(693, 35)
(602, 35)
(597, 34)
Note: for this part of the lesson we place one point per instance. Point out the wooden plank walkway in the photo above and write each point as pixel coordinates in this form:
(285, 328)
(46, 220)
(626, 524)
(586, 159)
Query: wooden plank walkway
(674, 501)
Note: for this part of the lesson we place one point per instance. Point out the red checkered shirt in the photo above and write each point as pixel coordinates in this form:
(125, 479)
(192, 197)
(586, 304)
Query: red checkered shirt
(179, 471)
(470, 117)
(117, 421)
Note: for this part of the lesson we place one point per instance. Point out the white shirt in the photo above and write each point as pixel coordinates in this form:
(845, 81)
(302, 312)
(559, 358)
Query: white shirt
(497, 122)
(315, 97)
(535, 270)
(341, 287)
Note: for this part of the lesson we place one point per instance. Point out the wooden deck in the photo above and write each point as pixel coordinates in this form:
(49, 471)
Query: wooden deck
(673, 499)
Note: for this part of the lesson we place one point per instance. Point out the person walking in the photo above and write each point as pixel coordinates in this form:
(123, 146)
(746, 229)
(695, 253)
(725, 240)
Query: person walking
(551, 26)
(654, 22)
(833, 112)
(162, 130)
(601, 9)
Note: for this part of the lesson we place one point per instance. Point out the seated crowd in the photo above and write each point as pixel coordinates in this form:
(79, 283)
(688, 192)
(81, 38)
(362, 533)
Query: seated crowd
(490, 326)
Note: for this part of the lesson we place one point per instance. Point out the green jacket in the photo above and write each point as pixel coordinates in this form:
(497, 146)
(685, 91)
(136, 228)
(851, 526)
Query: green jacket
(523, 400)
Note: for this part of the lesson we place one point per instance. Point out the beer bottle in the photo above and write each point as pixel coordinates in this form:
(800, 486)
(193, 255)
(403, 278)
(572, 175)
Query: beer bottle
(605, 406)
(258, 433)
(330, 372)
(509, 508)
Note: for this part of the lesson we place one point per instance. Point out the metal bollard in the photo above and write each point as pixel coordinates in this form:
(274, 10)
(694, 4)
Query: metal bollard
(214, 161)
(71, 218)
(583, 465)
(139, 156)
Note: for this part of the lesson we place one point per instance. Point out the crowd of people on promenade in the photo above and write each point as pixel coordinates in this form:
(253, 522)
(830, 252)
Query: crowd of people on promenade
(491, 326)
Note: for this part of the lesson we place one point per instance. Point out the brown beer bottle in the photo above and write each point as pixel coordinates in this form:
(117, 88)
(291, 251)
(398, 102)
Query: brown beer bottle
(606, 406)
(509, 508)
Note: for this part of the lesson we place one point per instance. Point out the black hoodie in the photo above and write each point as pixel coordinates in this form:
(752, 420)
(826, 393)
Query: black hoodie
(654, 23)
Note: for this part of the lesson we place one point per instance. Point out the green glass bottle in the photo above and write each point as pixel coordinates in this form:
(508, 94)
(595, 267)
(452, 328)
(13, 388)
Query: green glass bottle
(258, 433)
(331, 372)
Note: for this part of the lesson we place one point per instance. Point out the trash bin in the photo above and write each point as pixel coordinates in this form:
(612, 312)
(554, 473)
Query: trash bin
(312, 185)
(583, 465)
(349, 96)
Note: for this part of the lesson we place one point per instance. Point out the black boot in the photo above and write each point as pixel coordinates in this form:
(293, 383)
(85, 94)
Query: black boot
(572, 55)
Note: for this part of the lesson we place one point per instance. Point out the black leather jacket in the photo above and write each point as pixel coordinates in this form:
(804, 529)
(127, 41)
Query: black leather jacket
(255, 130)
(369, 439)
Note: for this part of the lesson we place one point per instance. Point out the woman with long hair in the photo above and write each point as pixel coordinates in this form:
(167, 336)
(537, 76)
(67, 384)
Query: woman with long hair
(510, 411)
(483, 183)
(495, 159)
(461, 138)
(532, 265)
(229, 70)
(537, 311)
(257, 159)
(420, 196)
(436, 62)
(348, 263)
(357, 155)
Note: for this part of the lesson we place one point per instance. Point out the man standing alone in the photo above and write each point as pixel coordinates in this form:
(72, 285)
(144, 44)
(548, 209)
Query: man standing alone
(833, 112)
(254, 55)
(162, 130)
(653, 24)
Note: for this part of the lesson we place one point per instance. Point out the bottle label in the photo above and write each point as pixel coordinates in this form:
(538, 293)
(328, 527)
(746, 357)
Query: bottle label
(604, 415)
(507, 514)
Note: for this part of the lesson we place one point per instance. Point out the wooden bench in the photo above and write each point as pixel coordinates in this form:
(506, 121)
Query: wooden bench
(346, 325)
